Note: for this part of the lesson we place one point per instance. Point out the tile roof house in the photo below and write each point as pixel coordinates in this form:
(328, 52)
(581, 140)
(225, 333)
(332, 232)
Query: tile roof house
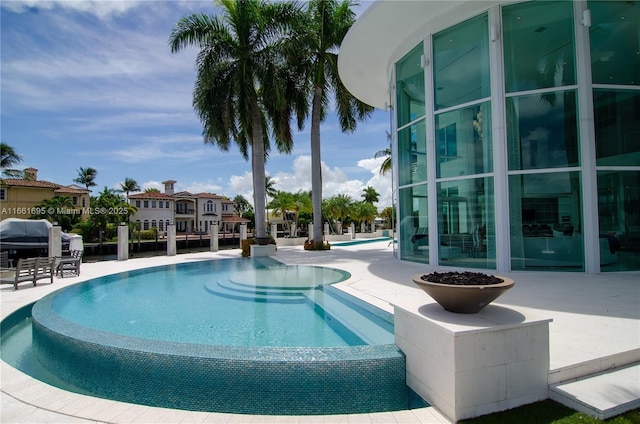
(191, 213)
(19, 196)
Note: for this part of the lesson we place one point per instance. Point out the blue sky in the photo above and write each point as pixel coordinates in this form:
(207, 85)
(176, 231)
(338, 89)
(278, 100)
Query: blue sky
(94, 84)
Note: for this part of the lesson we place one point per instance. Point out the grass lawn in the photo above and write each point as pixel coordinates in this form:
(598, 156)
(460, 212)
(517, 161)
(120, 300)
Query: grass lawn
(549, 412)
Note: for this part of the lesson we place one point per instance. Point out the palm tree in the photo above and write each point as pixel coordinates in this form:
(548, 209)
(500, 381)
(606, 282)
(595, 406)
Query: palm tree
(363, 212)
(86, 177)
(129, 185)
(337, 208)
(386, 154)
(9, 158)
(370, 195)
(151, 190)
(240, 85)
(326, 25)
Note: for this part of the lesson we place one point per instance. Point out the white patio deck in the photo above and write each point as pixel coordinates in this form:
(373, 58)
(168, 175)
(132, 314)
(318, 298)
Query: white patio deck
(596, 323)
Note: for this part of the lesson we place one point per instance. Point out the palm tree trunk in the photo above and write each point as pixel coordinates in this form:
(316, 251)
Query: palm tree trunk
(316, 167)
(257, 163)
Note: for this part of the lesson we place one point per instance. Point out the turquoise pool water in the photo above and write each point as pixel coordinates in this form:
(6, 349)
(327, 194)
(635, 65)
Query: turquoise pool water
(227, 302)
(240, 336)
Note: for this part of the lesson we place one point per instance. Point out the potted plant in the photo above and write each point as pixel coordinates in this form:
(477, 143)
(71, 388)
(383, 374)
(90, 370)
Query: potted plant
(463, 292)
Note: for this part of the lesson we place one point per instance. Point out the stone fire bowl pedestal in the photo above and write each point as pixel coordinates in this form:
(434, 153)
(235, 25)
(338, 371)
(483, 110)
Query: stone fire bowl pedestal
(463, 299)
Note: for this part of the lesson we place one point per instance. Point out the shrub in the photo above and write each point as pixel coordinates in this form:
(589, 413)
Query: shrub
(310, 245)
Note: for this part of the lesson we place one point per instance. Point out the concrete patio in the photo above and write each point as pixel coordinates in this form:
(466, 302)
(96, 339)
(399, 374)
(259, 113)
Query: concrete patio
(595, 327)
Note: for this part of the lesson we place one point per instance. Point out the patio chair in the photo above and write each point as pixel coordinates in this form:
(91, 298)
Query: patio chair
(70, 263)
(25, 272)
(5, 262)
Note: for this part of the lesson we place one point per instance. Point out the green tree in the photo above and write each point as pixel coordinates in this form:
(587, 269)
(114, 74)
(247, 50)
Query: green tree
(281, 203)
(363, 212)
(9, 158)
(128, 186)
(59, 209)
(86, 177)
(389, 214)
(336, 208)
(324, 28)
(151, 190)
(386, 165)
(241, 205)
(370, 195)
(240, 83)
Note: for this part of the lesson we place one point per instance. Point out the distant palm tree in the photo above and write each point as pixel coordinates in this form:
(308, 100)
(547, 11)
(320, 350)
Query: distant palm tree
(9, 158)
(337, 207)
(386, 154)
(151, 190)
(324, 29)
(240, 81)
(370, 195)
(129, 185)
(86, 177)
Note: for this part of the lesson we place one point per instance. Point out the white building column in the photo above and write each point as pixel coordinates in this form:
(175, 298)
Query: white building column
(55, 241)
(243, 232)
(123, 242)
(171, 240)
(213, 234)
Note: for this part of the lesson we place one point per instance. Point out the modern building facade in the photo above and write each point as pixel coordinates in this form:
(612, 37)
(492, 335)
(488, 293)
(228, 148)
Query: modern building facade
(516, 129)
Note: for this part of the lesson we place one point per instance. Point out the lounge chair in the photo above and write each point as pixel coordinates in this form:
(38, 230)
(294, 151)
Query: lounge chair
(5, 262)
(69, 263)
(25, 271)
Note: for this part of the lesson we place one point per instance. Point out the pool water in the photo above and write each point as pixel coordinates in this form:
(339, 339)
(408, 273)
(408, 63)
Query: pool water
(247, 336)
(230, 302)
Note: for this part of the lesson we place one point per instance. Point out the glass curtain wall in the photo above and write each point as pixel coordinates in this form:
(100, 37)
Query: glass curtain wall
(412, 157)
(615, 67)
(542, 136)
(463, 145)
(544, 167)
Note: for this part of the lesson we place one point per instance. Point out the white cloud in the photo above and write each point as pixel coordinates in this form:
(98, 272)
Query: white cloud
(334, 181)
(101, 8)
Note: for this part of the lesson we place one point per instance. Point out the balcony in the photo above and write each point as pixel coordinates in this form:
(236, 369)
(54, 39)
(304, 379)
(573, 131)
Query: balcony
(185, 213)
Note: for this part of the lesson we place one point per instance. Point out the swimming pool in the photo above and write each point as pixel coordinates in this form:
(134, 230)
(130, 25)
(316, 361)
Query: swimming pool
(347, 362)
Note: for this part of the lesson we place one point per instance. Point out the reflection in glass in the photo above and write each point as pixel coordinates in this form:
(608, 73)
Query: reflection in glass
(412, 156)
(538, 45)
(546, 222)
(410, 87)
(617, 122)
(619, 218)
(542, 131)
(414, 224)
(461, 63)
(464, 141)
(615, 42)
(466, 223)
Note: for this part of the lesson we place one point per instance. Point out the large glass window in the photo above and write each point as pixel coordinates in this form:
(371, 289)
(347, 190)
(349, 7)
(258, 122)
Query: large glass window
(617, 125)
(546, 221)
(542, 131)
(466, 223)
(410, 87)
(414, 226)
(464, 141)
(619, 218)
(615, 42)
(538, 45)
(461, 63)
(412, 156)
